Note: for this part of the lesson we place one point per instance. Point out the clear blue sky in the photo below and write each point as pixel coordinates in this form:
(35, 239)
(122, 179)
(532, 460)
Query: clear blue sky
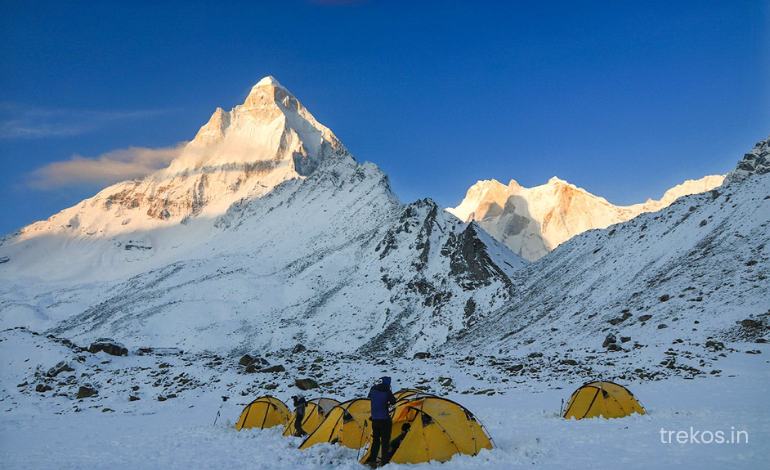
(623, 98)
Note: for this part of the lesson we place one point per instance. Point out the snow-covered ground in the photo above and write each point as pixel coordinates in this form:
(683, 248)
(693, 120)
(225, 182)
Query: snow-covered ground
(109, 431)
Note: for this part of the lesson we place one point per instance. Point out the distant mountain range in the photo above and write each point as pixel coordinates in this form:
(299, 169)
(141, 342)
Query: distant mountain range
(534, 221)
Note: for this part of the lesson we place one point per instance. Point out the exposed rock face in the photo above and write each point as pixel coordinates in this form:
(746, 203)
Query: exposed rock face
(534, 221)
(756, 162)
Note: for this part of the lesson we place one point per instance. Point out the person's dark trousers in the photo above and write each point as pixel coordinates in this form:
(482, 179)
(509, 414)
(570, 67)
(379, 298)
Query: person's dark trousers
(298, 431)
(380, 440)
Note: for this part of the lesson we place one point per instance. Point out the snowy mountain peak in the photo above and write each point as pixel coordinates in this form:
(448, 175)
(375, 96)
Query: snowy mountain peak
(268, 81)
(555, 180)
(238, 154)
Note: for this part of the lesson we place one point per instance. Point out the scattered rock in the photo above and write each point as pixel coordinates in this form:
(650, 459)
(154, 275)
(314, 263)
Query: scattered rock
(569, 362)
(644, 317)
(298, 349)
(273, 369)
(610, 339)
(625, 339)
(662, 325)
(86, 391)
(613, 347)
(161, 398)
(626, 314)
(664, 298)
(133, 398)
(534, 355)
(421, 355)
(305, 384)
(42, 388)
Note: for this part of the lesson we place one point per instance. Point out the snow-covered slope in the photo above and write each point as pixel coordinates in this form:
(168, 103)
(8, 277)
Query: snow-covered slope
(534, 221)
(694, 270)
(312, 248)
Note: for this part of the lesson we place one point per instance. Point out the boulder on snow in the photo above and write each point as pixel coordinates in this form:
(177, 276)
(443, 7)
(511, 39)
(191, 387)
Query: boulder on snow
(86, 391)
(644, 317)
(246, 360)
(299, 348)
(714, 345)
(41, 388)
(610, 339)
(62, 366)
(109, 346)
(421, 355)
(305, 384)
(751, 324)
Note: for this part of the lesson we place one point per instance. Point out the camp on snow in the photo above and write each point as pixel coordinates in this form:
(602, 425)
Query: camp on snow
(316, 411)
(262, 413)
(347, 424)
(433, 428)
(605, 399)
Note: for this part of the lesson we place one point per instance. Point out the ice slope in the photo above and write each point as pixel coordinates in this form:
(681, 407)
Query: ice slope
(327, 257)
(534, 221)
(691, 271)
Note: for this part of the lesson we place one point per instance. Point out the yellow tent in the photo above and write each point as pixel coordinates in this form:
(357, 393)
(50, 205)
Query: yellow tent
(264, 412)
(315, 412)
(406, 392)
(347, 424)
(433, 428)
(605, 399)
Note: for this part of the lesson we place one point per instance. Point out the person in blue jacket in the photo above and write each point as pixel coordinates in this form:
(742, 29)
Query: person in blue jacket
(381, 397)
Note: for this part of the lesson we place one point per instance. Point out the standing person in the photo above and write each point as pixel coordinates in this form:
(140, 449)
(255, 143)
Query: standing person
(299, 414)
(381, 397)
